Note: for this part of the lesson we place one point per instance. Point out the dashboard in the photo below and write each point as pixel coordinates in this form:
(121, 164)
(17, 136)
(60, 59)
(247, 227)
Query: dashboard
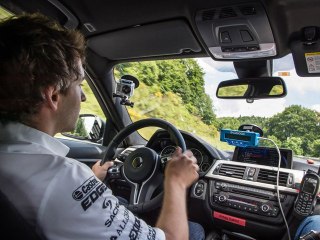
(236, 191)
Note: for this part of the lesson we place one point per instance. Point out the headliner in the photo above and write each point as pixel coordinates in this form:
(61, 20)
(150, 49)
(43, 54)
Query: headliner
(286, 17)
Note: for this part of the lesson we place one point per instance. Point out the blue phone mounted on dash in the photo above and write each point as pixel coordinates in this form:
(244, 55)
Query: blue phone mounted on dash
(239, 138)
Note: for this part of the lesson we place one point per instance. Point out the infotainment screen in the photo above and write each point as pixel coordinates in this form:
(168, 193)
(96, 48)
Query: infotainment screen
(263, 156)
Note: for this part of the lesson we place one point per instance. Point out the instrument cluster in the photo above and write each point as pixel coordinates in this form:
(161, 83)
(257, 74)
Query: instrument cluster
(202, 158)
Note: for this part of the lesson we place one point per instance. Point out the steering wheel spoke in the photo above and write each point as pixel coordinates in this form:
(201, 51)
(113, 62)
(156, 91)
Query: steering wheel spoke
(143, 192)
(115, 172)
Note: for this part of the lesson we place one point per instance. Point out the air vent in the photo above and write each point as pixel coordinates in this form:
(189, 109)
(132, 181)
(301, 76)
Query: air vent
(230, 170)
(270, 176)
(248, 10)
(208, 15)
(227, 12)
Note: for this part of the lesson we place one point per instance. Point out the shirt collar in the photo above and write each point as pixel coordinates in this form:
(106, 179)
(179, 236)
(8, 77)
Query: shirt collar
(18, 133)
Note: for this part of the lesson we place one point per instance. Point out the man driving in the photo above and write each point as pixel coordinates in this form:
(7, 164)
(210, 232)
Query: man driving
(40, 95)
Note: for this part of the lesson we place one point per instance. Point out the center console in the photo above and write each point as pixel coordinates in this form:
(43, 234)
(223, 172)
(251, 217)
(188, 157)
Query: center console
(242, 197)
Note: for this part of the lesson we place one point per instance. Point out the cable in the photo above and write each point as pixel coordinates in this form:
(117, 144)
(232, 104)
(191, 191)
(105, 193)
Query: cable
(277, 186)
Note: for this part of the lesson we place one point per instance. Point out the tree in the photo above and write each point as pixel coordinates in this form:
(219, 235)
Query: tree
(228, 123)
(267, 143)
(316, 148)
(294, 143)
(294, 121)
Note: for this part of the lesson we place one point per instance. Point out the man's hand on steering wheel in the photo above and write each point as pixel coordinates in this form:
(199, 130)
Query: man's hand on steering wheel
(182, 169)
(101, 170)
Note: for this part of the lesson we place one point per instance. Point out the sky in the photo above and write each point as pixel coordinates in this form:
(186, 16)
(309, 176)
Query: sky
(304, 91)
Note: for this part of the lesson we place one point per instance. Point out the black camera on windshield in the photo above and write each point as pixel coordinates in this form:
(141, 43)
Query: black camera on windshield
(125, 88)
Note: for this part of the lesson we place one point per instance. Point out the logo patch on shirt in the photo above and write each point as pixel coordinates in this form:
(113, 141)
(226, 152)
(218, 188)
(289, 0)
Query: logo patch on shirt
(85, 188)
(88, 192)
(135, 230)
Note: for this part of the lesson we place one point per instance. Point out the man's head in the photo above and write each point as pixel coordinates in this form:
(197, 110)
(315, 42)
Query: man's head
(37, 56)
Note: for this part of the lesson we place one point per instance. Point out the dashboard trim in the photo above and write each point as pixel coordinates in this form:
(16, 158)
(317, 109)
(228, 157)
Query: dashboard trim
(296, 173)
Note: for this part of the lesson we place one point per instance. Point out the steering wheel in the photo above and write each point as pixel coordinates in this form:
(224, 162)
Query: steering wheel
(141, 168)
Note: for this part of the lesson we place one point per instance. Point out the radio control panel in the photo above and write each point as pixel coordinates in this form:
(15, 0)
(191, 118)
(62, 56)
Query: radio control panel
(257, 207)
(245, 198)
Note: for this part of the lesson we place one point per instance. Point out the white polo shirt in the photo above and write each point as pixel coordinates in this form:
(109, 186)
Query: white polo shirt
(60, 196)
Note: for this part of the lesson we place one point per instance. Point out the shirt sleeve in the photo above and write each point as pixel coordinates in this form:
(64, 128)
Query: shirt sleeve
(79, 206)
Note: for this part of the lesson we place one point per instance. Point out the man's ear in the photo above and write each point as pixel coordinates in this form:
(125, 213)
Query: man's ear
(51, 96)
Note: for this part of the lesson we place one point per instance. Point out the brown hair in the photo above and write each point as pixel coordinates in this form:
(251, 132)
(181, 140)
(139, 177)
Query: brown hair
(35, 52)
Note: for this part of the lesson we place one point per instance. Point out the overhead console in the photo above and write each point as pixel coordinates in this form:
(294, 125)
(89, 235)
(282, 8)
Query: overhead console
(236, 32)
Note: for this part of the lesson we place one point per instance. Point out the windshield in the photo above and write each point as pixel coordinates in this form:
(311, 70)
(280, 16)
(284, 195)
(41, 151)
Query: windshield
(183, 92)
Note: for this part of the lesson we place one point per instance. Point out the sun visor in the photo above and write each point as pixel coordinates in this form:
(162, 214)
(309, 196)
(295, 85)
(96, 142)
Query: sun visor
(306, 52)
(158, 39)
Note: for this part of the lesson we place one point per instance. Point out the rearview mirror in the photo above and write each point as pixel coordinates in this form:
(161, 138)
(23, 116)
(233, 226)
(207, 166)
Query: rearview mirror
(88, 127)
(252, 88)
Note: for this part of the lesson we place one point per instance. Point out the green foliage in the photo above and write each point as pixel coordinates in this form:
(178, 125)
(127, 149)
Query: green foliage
(296, 122)
(267, 143)
(80, 129)
(315, 149)
(228, 123)
(294, 143)
(234, 123)
(151, 102)
(233, 91)
(184, 77)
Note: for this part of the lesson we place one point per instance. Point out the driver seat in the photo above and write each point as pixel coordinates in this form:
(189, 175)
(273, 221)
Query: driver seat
(13, 224)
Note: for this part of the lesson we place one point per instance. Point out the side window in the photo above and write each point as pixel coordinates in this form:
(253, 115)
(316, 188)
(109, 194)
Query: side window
(91, 105)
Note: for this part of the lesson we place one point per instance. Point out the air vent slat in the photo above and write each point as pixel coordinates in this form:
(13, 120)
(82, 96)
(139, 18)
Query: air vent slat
(227, 12)
(208, 15)
(270, 177)
(248, 10)
(230, 170)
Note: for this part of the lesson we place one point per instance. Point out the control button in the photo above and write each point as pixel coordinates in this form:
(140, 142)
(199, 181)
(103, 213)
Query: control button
(253, 48)
(200, 185)
(265, 208)
(246, 36)
(227, 49)
(225, 37)
(199, 191)
(290, 181)
(224, 186)
(251, 172)
(222, 198)
(240, 49)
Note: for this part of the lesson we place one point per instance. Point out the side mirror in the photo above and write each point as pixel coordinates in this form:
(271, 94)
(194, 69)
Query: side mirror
(88, 127)
(252, 88)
